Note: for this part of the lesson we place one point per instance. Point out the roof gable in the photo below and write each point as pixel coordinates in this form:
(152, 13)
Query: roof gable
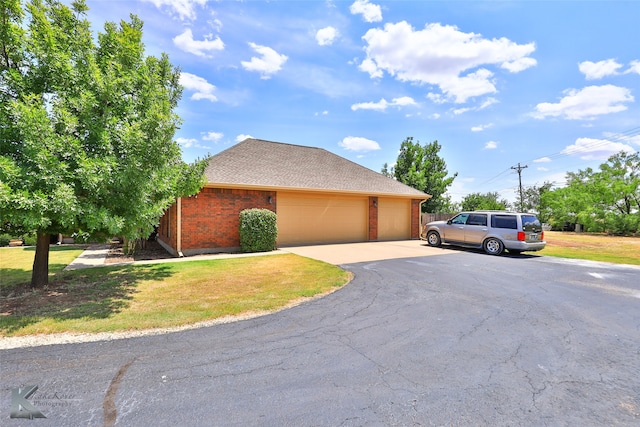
(256, 163)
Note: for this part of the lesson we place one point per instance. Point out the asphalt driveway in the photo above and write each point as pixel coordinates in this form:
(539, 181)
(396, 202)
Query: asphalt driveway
(457, 338)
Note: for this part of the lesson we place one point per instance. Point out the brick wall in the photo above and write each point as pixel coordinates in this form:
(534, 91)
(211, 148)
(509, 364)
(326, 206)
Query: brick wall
(373, 219)
(167, 229)
(211, 219)
(415, 219)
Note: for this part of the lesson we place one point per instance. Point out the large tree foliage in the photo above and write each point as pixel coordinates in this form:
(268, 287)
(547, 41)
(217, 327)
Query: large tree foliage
(486, 201)
(86, 127)
(421, 167)
(606, 200)
(532, 200)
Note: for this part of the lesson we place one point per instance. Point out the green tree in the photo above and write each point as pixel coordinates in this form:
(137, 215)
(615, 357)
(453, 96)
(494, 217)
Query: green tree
(422, 168)
(86, 128)
(605, 200)
(387, 171)
(486, 201)
(532, 200)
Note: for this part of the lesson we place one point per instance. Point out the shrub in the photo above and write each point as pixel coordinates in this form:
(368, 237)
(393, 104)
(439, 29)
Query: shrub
(4, 239)
(30, 239)
(258, 230)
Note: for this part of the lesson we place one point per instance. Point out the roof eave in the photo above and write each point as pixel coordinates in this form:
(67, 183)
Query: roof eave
(422, 196)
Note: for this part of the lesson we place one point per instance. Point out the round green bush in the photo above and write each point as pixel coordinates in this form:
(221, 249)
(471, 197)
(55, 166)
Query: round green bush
(258, 230)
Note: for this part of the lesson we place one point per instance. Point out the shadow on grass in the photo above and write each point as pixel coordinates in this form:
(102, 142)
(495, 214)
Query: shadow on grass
(95, 293)
(57, 248)
(12, 277)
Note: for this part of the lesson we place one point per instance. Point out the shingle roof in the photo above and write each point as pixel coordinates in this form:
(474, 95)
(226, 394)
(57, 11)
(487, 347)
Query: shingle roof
(255, 163)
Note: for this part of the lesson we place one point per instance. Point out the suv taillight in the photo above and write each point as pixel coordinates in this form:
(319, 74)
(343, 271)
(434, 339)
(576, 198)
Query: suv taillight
(542, 235)
(521, 236)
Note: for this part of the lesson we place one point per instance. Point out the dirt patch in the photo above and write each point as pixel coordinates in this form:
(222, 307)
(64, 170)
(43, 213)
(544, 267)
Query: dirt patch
(152, 250)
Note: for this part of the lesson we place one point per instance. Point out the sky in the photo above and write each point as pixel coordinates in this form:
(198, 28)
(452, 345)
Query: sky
(552, 86)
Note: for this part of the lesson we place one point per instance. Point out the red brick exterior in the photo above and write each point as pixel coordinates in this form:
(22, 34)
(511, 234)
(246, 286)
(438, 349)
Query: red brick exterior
(373, 219)
(167, 229)
(415, 219)
(211, 219)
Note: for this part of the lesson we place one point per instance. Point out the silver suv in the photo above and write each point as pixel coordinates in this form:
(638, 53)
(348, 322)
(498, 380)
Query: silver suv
(493, 231)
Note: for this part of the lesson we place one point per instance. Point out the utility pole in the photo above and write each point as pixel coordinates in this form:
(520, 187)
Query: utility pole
(519, 170)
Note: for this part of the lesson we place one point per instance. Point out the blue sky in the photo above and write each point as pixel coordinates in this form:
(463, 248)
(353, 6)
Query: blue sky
(553, 85)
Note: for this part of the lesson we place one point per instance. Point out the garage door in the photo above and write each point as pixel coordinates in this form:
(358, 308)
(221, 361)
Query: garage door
(394, 219)
(314, 219)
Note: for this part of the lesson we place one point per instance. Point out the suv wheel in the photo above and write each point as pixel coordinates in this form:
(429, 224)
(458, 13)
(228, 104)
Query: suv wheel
(493, 246)
(433, 238)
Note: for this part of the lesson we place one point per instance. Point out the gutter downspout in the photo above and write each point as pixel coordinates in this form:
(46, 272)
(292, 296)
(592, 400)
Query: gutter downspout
(179, 227)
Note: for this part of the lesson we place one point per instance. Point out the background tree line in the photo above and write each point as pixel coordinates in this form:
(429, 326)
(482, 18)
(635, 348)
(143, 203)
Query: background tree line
(604, 200)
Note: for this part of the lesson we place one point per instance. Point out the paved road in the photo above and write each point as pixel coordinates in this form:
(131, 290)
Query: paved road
(458, 339)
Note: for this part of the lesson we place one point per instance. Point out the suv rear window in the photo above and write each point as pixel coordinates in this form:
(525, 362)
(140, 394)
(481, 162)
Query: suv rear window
(531, 223)
(504, 221)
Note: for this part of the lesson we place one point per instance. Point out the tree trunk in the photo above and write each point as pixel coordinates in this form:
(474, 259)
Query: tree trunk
(40, 272)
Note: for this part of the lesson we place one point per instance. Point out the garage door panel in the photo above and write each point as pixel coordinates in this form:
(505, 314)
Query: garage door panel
(394, 219)
(321, 219)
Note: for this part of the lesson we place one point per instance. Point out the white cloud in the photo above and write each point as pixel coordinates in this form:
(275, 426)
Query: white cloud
(491, 145)
(242, 137)
(627, 139)
(186, 42)
(600, 69)
(326, 36)
(356, 143)
(519, 64)
(190, 143)
(480, 128)
(369, 66)
(587, 103)
(202, 89)
(488, 102)
(459, 111)
(634, 67)
(596, 149)
(185, 9)
(186, 142)
(267, 65)
(212, 136)
(542, 160)
(634, 139)
(441, 55)
(383, 104)
(370, 12)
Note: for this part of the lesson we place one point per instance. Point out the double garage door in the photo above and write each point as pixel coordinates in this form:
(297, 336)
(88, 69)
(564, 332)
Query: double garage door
(322, 218)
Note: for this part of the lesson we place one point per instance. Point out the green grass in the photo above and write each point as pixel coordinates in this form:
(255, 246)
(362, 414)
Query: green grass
(108, 299)
(135, 297)
(594, 247)
(16, 263)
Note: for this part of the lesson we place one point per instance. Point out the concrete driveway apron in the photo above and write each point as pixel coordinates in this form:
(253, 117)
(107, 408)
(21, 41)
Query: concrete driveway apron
(352, 253)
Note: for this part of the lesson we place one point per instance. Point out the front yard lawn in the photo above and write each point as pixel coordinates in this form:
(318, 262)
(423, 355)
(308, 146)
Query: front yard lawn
(136, 297)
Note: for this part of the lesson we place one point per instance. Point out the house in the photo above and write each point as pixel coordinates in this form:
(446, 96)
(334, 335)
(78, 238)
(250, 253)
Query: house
(318, 197)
